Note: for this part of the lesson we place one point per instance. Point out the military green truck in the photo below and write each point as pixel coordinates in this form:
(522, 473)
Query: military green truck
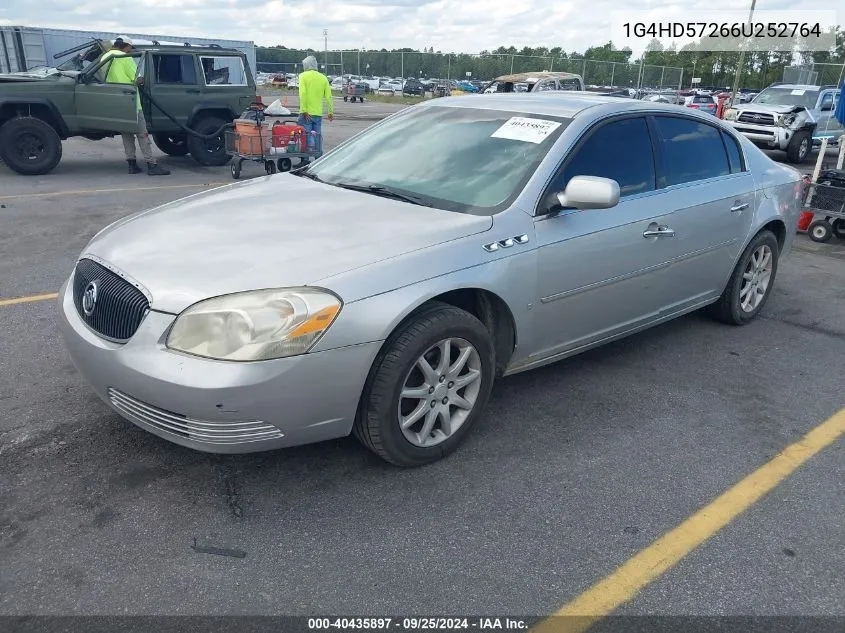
(188, 95)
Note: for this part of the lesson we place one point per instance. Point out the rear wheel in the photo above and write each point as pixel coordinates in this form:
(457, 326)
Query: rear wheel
(751, 282)
(427, 387)
(172, 144)
(284, 164)
(208, 152)
(839, 228)
(30, 146)
(236, 168)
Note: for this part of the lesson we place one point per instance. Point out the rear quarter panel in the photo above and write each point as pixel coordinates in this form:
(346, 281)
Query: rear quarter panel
(778, 194)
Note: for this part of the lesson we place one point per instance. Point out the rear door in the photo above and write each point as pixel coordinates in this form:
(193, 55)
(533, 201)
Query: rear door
(705, 183)
(174, 84)
(102, 107)
(225, 80)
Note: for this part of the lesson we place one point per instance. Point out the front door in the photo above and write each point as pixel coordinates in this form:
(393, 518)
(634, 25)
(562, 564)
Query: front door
(599, 272)
(107, 107)
(827, 124)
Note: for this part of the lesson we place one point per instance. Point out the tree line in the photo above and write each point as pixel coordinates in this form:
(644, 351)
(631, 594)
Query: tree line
(714, 68)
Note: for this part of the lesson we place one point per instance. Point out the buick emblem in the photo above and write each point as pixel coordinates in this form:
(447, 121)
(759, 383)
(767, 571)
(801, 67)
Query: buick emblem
(89, 297)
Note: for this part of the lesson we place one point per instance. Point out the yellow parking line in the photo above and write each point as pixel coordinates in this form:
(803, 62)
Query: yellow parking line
(633, 576)
(29, 299)
(116, 190)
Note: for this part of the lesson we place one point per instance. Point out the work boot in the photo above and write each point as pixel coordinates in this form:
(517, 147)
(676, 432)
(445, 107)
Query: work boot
(133, 166)
(155, 170)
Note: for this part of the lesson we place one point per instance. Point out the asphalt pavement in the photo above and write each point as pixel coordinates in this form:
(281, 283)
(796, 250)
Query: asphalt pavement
(575, 468)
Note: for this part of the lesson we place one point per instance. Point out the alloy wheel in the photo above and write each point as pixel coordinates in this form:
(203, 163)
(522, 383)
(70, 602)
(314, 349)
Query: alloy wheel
(756, 278)
(439, 392)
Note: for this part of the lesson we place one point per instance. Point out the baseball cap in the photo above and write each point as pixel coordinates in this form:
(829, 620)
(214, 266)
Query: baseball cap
(124, 39)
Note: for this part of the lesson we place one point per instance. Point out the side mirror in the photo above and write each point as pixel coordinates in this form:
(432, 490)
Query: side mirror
(590, 192)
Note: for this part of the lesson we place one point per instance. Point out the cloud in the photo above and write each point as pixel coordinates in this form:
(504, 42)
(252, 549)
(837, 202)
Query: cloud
(448, 25)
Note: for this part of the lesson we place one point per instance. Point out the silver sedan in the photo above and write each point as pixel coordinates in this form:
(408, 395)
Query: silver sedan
(381, 289)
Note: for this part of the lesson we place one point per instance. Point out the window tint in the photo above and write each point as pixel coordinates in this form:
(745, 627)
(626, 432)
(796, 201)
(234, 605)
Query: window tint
(827, 100)
(175, 69)
(690, 151)
(607, 153)
(734, 155)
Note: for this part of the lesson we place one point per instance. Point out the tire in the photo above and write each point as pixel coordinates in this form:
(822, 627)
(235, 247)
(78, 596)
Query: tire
(284, 164)
(208, 153)
(820, 231)
(270, 167)
(839, 228)
(29, 146)
(799, 147)
(236, 168)
(172, 144)
(729, 308)
(346, 98)
(377, 425)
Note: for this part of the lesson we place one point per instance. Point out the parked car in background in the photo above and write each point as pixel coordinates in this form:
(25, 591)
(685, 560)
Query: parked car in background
(535, 82)
(279, 81)
(421, 269)
(789, 117)
(705, 103)
(466, 86)
(392, 87)
(413, 87)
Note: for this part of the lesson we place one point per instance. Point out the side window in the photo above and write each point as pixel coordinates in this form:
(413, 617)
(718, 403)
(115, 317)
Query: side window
(827, 101)
(174, 69)
(734, 154)
(606, 153)
(545, 86)
(690, 151)
(223, 71)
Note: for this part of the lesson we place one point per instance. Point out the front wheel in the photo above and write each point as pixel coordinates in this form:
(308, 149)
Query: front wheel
(751, 282)
(427, 387)
(208, 152)
(172, 144)
(799, 147)
(236, 168)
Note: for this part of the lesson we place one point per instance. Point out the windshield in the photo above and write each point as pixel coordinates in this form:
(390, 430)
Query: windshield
(460, 159)
(788, 96)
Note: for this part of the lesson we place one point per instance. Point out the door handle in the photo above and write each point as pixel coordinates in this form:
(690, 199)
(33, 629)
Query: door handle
(193, 91)
(127, 91)
(739, 207)
(660, 231)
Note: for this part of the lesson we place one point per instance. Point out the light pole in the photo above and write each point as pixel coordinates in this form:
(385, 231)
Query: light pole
(741, 59)
(326, 41)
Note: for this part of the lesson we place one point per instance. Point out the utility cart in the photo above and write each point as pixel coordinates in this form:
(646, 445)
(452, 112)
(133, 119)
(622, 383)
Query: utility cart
(354, 91)
(824, 198)
(276, 145)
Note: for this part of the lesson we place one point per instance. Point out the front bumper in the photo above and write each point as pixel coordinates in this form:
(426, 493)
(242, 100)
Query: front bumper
(218, 406)
(769, 136)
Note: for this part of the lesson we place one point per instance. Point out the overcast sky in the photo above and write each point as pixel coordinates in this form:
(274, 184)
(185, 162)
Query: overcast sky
(448, 25)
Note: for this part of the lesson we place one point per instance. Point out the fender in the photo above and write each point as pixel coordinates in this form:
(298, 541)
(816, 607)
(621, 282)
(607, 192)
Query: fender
(204, 106)
(63, 130)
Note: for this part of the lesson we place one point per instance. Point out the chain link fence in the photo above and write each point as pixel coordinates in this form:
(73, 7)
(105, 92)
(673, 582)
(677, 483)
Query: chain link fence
(485, 67)
(815, 74)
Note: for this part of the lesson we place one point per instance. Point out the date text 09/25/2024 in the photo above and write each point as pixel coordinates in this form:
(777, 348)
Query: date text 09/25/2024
(417, 624)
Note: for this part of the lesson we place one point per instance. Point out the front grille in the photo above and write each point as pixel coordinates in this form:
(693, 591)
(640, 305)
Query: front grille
(748, 130)
(756, 118)
(115, 306)
(206, 432)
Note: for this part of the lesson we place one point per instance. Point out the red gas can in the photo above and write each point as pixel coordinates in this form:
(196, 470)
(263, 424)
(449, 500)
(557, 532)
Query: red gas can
(804, 220)
(282, 132)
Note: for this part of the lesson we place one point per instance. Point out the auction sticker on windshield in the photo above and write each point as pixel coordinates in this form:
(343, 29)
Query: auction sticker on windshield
(528, 130)
(797, 93)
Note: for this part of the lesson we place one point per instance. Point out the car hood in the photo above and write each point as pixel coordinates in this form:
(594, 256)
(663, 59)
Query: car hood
(768, 107)
(270, 232)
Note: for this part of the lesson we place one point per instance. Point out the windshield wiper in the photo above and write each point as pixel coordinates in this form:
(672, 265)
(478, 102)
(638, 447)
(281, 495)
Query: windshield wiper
(384, 192)
(307, 174)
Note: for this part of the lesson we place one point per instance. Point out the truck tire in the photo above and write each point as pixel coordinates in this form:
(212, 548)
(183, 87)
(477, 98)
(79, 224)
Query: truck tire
(29, 146)
(799, 147)
(172, 144)
(209, 153)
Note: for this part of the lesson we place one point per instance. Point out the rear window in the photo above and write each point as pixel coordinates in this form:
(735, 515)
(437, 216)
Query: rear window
(223, 71)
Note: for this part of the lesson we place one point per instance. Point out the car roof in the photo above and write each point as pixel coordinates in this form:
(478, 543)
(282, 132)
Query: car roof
(797, 86)
(532, 77)
(566, 104)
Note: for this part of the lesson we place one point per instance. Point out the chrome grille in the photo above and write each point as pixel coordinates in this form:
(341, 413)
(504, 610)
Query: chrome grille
(118, 307)
(757, 118)
(207, 432)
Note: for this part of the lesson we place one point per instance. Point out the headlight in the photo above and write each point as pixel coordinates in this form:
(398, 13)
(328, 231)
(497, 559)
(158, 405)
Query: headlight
(731, 114)
(786, 120)
(257, 325)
